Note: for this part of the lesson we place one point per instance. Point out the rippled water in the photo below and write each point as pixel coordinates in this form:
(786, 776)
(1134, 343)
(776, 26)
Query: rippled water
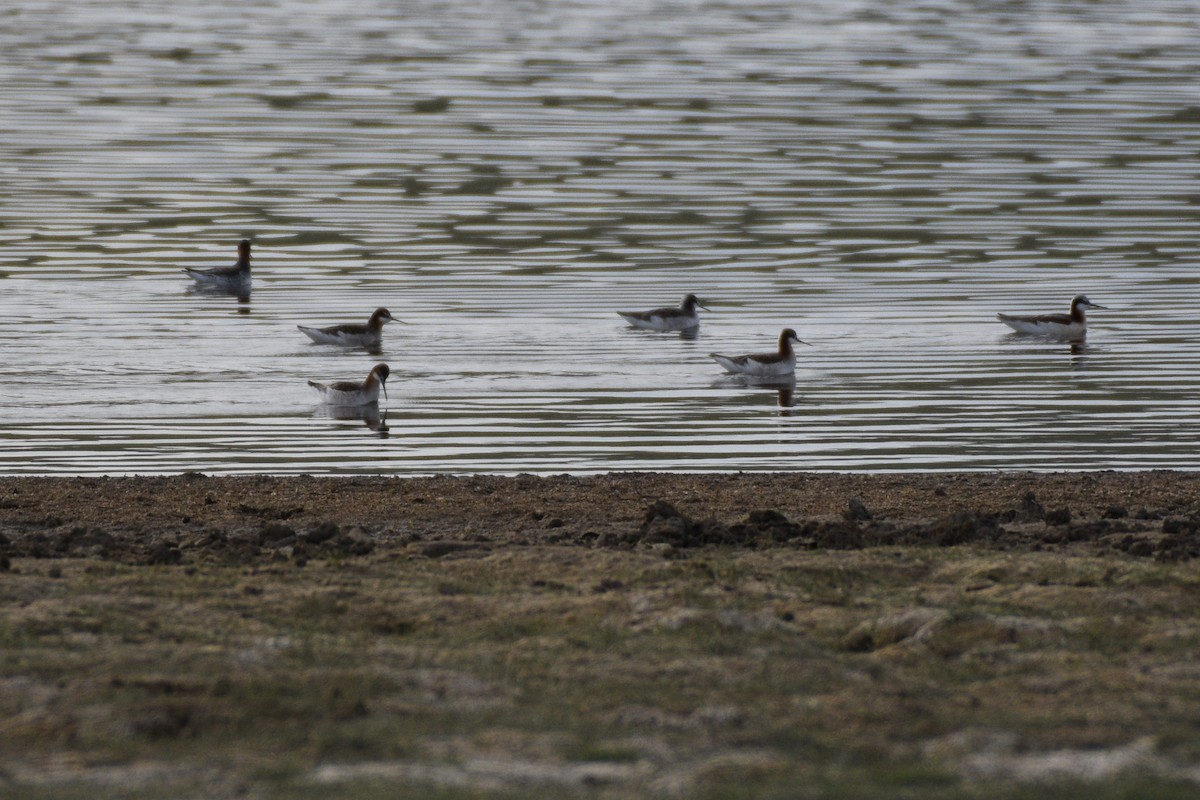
(883, 177)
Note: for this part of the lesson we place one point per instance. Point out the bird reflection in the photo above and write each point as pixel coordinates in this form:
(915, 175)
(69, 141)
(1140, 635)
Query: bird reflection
(687, 334)
(1077, 349)
(370, 414)
(787, 399)
(1079, 352)
(243, 298)
(784, 386)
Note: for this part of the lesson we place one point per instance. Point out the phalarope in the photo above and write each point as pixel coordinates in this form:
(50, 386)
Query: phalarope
(667, 319)
(349, 393)
(1057, 326)
(235, 279)
(369, 335)
(764, 365)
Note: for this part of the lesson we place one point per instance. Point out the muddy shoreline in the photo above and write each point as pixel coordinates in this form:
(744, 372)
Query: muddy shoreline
(197, 518)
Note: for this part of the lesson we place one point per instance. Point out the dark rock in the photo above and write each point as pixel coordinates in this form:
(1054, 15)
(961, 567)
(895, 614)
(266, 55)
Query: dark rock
(662, 523)
(439, 549)
(275, 534)
(1177, 548)
(1030, 509)
(1116, 512)
(856, 511)
(767, 518)
(37, 546)
(832, 534)
(1061, 516)
(1141, 548)
(355, 543)
(962, 527)
(1180, 525)
(764, 524)
(95, 542)
(163, 553)
(322, 533)
(1095, 529)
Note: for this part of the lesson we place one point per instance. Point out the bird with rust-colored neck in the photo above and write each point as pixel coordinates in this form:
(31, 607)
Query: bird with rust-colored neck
(1054, 326)
(234, 280)
(667, 319)
(369, 335)
(352, 393)
(764, 365)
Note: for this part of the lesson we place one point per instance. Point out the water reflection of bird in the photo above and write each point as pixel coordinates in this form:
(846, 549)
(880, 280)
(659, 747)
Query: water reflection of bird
(349, 393)
(667, 319)
(764, 365)
(370, 414)
(1056, 326)
(369, 335)
(229, 280)
(787, 398)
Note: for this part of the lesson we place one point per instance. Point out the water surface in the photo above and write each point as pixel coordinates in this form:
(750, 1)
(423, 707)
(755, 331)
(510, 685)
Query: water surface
(505, 175)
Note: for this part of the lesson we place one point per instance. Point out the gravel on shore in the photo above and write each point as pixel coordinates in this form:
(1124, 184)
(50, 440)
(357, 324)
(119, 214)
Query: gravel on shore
(194, 517)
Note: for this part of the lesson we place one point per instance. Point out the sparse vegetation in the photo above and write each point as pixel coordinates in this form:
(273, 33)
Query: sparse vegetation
(571, 670)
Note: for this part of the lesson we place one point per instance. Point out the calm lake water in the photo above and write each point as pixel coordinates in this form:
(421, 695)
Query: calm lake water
(503, 176)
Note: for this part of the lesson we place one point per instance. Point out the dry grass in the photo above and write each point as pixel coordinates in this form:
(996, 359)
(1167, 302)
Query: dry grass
(548, 671)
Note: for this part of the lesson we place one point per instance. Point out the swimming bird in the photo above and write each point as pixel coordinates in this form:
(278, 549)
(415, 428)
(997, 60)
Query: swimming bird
(369, 335)
(764, 365)
(349, 393)
(667, 319)
(235, 279)
(1057, 326)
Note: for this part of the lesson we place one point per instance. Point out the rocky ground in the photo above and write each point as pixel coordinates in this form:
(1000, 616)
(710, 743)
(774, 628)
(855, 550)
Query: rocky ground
(246, 519)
